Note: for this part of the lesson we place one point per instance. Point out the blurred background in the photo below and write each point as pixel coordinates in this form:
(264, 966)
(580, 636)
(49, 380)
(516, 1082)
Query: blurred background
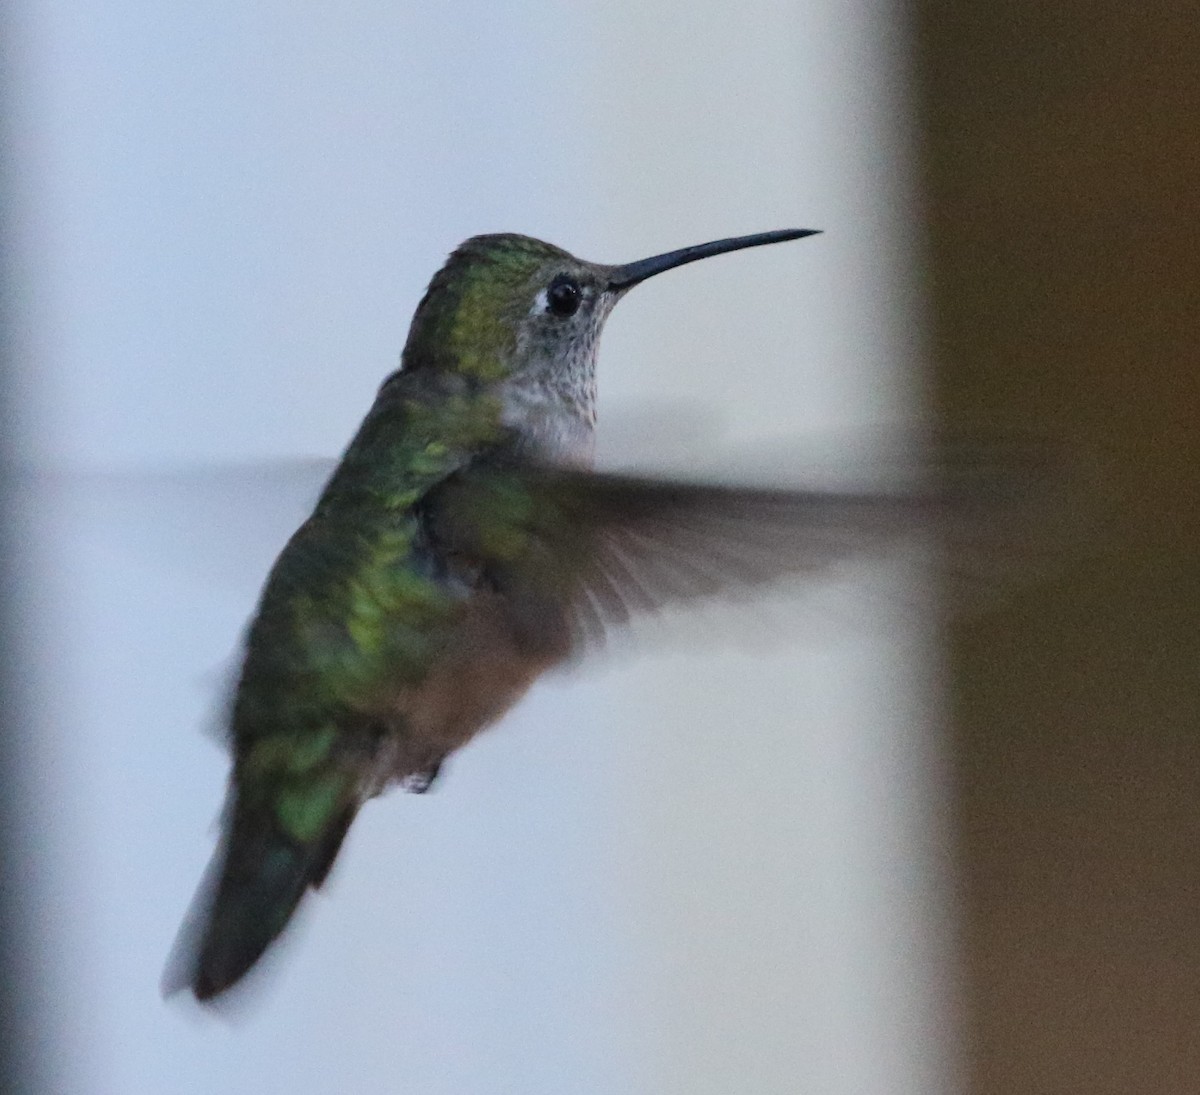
(858, 853)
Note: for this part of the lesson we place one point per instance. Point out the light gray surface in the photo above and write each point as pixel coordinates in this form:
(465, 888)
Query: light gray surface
(707, 869)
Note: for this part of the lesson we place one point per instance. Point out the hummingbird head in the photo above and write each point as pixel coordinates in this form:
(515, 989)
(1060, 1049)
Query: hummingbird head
(506, 304)
(515, 311)
(501, 304)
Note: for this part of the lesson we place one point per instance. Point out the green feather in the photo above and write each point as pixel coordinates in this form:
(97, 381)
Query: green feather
(304, 810)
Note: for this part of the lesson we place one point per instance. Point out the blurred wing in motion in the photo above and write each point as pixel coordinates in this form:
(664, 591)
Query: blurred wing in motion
(986, 515)
(221, 525)
(591, 550)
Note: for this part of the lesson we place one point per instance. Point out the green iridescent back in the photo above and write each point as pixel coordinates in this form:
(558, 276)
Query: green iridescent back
(355, 598)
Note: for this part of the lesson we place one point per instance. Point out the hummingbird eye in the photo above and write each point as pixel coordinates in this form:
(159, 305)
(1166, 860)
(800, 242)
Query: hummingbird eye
(564, 296)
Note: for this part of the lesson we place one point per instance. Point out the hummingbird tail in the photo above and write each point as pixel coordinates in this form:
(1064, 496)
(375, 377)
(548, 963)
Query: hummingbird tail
(249, 893)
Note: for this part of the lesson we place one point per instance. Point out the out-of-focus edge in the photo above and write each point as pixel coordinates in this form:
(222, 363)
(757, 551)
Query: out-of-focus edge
(19, 1067)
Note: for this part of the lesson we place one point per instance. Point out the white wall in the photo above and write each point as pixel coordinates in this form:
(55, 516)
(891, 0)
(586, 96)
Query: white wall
(710, 868)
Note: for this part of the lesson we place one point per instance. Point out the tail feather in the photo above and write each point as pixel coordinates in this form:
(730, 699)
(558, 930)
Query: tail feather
(251, 890)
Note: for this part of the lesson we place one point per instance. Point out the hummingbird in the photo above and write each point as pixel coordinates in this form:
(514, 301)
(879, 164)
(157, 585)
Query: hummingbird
(462, 547)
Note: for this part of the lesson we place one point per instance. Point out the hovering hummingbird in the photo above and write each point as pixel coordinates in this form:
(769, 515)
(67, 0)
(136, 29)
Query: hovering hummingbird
(462, 547)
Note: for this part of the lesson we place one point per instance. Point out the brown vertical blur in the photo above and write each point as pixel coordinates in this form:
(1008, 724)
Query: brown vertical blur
(1061, 183)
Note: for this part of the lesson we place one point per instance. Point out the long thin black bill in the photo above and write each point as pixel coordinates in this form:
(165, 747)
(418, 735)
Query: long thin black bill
(622, 277)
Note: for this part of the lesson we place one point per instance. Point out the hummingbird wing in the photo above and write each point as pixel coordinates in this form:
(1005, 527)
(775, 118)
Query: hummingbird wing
(598, 549)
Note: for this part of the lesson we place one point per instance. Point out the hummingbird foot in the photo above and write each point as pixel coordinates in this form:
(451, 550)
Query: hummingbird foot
(417, 783)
